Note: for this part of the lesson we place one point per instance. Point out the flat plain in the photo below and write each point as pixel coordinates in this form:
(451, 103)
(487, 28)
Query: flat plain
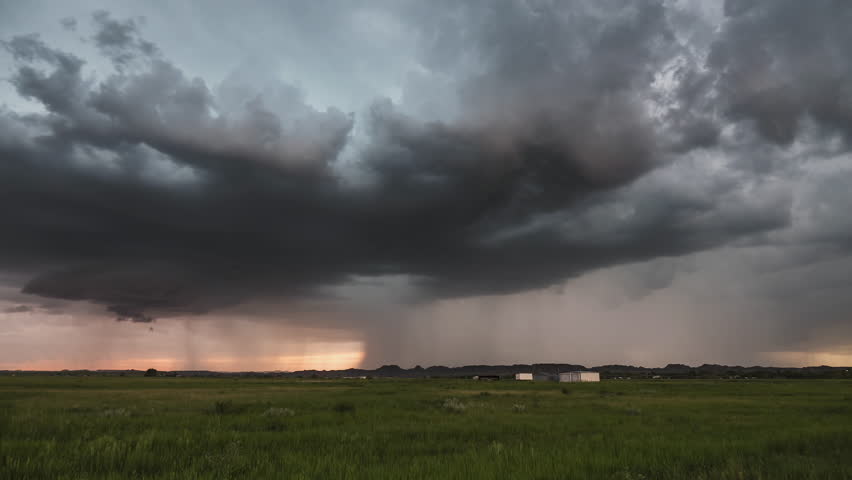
(222, 428)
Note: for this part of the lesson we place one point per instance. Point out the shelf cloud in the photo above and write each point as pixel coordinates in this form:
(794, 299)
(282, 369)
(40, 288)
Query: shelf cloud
(510, 147)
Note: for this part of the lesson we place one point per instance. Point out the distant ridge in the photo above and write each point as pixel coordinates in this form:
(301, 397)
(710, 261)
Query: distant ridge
(672, 370)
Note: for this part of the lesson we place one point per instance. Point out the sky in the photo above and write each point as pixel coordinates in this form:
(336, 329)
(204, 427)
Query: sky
(331, 184)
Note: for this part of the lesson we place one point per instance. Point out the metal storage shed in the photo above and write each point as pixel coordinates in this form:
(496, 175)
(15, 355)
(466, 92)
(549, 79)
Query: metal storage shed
(580, 377)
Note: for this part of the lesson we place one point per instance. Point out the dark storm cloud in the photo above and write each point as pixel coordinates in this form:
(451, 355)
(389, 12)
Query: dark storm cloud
(780, 63)
(119, 40)
(154, 194)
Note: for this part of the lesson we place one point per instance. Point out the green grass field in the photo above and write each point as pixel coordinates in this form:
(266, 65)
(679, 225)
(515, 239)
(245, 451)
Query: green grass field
(184, 428)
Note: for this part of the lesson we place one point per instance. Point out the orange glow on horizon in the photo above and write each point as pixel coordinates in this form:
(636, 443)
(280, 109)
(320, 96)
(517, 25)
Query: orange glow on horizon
(344, 357)
(810, 359)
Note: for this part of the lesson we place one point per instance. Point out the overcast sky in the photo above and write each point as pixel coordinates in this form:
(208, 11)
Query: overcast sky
(283, 185)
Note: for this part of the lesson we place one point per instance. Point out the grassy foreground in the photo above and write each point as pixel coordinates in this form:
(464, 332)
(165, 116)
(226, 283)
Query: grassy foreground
(184, 428)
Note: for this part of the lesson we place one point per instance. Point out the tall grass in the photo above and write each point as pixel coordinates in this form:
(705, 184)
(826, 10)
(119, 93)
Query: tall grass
(185, 428)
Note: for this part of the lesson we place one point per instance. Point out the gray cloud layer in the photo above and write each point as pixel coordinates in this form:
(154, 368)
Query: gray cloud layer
(563, 137)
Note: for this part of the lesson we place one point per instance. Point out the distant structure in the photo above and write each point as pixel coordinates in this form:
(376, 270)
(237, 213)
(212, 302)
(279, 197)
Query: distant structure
(545, 377)
(523, 376)
(580, 377)
(487, 378)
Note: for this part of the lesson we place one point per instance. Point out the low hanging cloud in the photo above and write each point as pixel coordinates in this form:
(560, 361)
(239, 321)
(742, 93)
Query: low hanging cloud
(582, 135)
(18, 309)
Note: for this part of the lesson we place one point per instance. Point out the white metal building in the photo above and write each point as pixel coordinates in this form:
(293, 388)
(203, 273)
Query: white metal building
(523, 376)
(580, 377)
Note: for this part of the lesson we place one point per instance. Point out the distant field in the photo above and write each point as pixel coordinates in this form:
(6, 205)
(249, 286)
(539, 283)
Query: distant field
(183, 428)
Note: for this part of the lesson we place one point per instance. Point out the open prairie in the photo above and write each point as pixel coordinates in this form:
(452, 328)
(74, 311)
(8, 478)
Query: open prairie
(184, 428)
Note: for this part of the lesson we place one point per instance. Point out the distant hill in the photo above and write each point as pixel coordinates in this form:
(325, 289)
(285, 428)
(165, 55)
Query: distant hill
(623, 372)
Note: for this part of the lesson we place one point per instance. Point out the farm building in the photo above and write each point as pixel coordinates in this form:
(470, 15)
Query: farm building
(545, 377)
(580, 377)
(523, 376)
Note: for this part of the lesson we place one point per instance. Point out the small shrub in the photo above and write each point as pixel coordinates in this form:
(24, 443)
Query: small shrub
(276, 426)
(225, 407)
(566, 391)
(454, 405)
(519, 408)
(628, 475)
(278, 412)
(116, 412)
(151, 372)
(344, 407)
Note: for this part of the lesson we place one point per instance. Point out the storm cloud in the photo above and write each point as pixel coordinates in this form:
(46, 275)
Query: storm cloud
(531, 143)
